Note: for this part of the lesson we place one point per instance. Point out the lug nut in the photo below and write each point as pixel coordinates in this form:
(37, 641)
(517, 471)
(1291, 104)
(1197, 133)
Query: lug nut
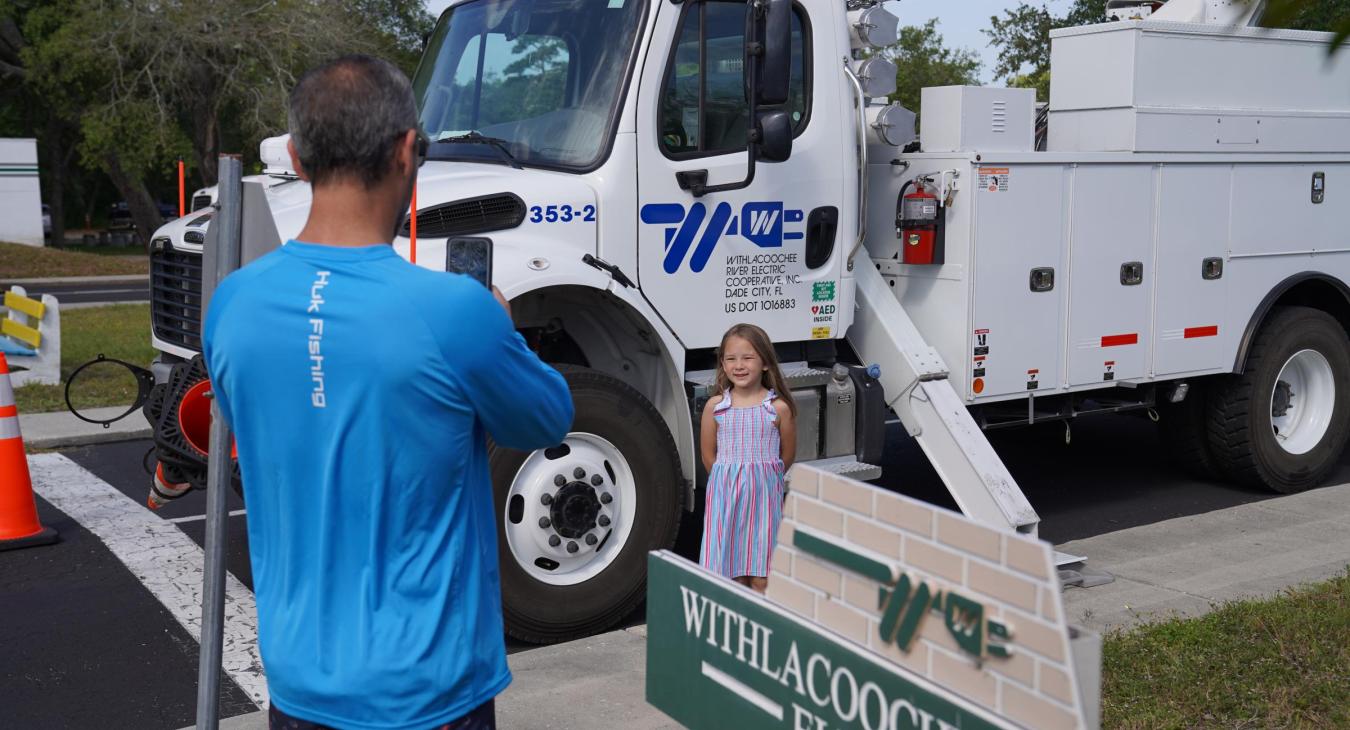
(572, 547)
(546, 499)
(559, 480)
(579, 473)
(606, 498)
(545, 522)
(603, 520)
(596, 480)
(554, 541)
(591, 539)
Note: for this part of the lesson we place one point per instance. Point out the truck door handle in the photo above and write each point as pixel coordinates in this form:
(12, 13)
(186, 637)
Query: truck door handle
(1132, 273)
(1042, 279)
(821, 226)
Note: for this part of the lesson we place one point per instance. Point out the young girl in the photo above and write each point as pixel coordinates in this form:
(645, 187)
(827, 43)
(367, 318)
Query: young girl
(749, 439)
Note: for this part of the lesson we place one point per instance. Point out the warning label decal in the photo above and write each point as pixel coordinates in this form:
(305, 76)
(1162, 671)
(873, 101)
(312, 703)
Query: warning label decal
(995, 179)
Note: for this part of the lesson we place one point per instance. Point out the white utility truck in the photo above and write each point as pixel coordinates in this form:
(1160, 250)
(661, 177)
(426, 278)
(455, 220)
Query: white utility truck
(1169, 235)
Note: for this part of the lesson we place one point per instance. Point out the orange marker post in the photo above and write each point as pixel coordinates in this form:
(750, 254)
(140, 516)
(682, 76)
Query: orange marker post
(182, 199)
(412, 227)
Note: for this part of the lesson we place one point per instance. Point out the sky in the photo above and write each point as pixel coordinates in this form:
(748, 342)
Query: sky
(959, 21)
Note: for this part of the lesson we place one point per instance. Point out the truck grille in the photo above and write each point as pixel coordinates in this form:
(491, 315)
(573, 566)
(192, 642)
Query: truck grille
(176, 297)
(201, 201)
(466, 217)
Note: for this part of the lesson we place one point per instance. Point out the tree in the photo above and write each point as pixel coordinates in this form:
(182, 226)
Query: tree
(1323, 15)
(1022, 36)
(922, 59)
(143, 82)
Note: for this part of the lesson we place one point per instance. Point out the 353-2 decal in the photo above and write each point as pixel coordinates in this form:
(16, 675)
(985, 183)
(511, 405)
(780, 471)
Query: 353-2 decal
(561, 213)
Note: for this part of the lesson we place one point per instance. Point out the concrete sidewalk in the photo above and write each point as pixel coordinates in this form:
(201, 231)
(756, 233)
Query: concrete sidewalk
(1177, 567)
(1183, 566)
(62, 428)
(70, 280)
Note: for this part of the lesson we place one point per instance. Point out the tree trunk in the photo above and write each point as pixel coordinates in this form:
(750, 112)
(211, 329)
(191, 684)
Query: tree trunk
(56, 180)
(144, 212)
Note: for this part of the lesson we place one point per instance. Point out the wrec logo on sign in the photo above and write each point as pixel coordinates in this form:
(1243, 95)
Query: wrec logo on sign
(761, 223)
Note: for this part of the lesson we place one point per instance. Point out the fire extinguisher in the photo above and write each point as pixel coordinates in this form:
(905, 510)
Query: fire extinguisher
(919, 223)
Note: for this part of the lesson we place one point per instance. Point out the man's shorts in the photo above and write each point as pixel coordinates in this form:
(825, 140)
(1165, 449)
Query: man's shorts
(483, 717)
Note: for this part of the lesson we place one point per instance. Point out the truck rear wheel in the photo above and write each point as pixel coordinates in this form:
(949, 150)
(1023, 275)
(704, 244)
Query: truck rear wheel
(1283, 423)
(577, 520)
(1183, 431)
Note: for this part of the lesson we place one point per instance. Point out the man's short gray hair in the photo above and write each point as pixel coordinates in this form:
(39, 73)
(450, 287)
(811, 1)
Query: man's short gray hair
(346, 117)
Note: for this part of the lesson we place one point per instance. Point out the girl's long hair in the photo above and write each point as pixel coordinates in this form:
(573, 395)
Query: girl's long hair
(772, 378)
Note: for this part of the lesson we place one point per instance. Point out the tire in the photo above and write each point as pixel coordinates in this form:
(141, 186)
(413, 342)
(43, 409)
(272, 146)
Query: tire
(1306, 348)
(620, 441)
(1183, 433)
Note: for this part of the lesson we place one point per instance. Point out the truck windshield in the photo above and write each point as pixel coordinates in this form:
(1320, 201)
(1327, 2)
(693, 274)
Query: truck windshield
(538, 80)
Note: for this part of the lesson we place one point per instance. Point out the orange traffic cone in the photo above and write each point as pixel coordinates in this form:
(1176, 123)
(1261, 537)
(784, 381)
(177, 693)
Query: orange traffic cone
(19, 526)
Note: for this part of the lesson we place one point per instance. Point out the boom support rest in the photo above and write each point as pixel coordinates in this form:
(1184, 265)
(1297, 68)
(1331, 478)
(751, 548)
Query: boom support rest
(917, 389)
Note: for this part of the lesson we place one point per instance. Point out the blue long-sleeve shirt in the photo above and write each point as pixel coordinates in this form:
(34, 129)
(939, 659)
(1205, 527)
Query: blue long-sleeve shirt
(360, 388)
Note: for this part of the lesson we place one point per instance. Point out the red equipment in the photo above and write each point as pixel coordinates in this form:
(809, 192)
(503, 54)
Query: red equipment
(920, 227)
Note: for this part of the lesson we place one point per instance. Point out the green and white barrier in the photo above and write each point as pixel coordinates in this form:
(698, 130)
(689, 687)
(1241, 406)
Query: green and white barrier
(883, 613)
(30, 337)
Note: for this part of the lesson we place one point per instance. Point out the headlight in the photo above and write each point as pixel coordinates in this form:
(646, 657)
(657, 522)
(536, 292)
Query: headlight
(159, 244)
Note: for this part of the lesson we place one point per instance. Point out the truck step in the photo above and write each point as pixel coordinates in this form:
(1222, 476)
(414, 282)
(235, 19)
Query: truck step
(847, 466)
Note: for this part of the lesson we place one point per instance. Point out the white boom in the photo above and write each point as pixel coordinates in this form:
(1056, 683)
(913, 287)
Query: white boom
(914, 379)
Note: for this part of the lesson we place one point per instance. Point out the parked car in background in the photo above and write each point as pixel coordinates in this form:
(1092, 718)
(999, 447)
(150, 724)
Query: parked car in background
(119, 215)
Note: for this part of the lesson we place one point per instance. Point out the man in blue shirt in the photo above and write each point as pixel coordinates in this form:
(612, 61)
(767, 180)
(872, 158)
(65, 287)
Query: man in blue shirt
(361, 389)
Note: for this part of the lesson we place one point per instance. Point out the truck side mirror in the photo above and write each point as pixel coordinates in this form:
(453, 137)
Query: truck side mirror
(775, 136)
(773, 57)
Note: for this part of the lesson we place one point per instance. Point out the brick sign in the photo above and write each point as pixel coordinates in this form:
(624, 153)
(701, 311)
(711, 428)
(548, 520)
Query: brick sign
(882, 613)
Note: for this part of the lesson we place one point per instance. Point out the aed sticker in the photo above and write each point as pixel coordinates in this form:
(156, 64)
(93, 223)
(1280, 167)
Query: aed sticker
(823, 313)
(994, 179)
(820, 333)
(822, 291)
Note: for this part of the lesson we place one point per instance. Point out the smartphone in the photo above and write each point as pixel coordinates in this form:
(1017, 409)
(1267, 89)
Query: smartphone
(470, 256)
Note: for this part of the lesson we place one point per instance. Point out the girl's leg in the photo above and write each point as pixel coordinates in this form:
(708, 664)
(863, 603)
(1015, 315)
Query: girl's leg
(757, 584)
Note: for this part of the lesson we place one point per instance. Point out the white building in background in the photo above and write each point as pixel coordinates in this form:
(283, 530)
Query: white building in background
(20, 192)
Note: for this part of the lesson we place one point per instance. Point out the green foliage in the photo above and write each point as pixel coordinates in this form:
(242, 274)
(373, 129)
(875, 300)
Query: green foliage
(1022, 36)
(1279, 663)
(923, 59)
(1323, 15)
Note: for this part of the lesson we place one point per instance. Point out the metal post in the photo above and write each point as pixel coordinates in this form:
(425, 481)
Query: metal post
(229, 224)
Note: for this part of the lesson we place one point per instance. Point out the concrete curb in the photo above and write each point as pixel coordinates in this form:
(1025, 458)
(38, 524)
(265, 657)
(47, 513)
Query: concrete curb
(63, 429)
(72, 280)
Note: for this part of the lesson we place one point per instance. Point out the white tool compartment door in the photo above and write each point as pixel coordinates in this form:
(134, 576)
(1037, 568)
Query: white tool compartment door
(1193, 215)
(1015, 332)
(1112, 229)
(741, 256)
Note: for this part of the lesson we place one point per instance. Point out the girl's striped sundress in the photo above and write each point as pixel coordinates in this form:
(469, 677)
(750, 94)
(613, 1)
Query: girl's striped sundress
(745, 491)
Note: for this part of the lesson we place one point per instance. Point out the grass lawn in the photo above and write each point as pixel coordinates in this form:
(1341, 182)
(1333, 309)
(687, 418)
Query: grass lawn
(1278, 663)
(120, 331)
(31, 262)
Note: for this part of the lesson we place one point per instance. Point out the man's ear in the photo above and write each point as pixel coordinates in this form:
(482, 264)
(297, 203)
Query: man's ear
(295, 160)
(407, 152)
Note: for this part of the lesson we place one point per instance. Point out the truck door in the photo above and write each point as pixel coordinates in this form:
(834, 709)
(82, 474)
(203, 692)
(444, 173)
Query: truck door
(772, 253)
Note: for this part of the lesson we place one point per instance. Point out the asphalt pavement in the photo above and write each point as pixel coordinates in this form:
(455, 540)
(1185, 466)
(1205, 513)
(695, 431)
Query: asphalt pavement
(88, 290)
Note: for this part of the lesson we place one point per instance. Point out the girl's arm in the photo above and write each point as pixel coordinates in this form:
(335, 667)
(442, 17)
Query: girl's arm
(787, 433)
(708, 433)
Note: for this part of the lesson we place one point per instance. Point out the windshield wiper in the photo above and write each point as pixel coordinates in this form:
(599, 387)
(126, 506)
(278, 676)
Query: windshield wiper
(496, 143)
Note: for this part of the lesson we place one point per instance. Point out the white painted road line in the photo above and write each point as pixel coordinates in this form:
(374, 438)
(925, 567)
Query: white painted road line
(199, 518)
(165, 560)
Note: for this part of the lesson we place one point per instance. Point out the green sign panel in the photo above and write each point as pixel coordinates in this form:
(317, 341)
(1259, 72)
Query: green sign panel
(719, 656)
(822, 291)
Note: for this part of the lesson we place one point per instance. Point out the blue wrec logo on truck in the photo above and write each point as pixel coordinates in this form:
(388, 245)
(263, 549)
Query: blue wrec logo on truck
(760, 223)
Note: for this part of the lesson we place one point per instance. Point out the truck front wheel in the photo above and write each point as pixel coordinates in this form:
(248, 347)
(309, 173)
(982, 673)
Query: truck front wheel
(578, 520)
(1283, 423)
